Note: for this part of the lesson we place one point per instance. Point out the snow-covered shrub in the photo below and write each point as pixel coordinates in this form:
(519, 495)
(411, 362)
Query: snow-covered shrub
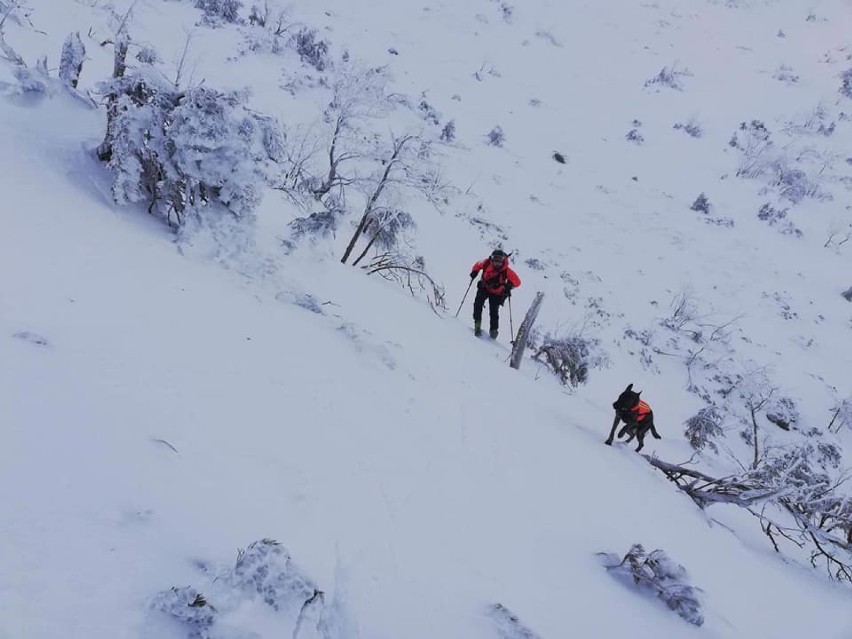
(777, 217)
(188, 606)
(147, 55)
(703, 427)
(227, 10)
(782, 412)
(571, 357)
(846, 84)
(692, 128)
(312, 51)
(265, 567)
(496, 137)
(657, 573)
(701, 204)
(794, 183)
(428, 112)
(634, 136)
(508, 624)
(71, 62)
(847, 294)
(669, 77)
(753, 140)
(180, 151)
(785, 74)
(448, 133)
(319, 224)
(534, 263)
(34, 81)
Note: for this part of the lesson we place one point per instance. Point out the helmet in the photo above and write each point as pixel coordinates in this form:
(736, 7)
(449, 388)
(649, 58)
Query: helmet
(499, 254)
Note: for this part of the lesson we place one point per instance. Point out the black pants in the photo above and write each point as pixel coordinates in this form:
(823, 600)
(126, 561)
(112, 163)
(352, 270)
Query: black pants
(494, 303)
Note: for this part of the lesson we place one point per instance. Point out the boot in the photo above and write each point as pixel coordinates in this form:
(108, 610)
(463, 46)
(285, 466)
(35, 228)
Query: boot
(493, 333)
(477, 327)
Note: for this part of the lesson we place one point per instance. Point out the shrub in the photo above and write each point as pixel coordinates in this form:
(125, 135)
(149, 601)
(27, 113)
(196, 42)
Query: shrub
(312, 51)
(496, 137)
(703, 427)
(571, 357)
(657, 573)
(669, 77)
(180, 151)
(227, 10)
(701, 204)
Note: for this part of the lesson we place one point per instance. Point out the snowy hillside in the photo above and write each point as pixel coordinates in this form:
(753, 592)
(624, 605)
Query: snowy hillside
(188, 371)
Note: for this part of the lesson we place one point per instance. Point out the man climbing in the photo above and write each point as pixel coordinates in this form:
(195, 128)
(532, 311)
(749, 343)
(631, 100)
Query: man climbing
(496, 286)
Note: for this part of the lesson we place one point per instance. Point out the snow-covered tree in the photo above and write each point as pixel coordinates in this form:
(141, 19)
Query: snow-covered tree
(71, 62)
(182, 150)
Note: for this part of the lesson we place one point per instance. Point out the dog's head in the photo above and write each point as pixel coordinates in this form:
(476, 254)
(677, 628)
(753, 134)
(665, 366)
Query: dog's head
(627, 400)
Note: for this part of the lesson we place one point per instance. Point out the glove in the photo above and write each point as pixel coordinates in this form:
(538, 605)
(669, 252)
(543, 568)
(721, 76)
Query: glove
(473, 274)
(507, 291)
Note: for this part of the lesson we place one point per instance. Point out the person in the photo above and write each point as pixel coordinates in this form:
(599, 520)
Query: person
(496, 286)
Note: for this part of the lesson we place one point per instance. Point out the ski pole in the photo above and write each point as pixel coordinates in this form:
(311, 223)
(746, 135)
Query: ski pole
(511, 325)
(465, 296)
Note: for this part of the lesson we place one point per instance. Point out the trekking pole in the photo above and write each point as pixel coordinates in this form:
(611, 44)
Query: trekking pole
(465, 296)
(511, 325)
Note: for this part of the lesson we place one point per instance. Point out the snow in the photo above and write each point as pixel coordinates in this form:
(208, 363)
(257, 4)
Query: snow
(164, 404)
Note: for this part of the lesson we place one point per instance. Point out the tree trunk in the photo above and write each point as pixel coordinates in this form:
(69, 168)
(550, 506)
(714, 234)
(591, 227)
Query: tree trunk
(119, 67)
(524, 331)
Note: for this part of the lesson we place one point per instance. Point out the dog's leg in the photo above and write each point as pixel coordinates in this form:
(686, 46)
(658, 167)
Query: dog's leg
(653, 430)
(640, 436)
(608, 441)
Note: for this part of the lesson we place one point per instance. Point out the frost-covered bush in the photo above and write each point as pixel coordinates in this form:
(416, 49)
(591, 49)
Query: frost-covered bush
(701, 204)
(692, 128)
(794, 184)
(147, 55)
(34, 80)
(428, 112)
(777, 218)
(448, 133)
(189, 607)
(71, 61)
(782, 412)
(846, 84)
(657, 573)
(265, 567)
(508, 624)
(180, 151)
(703, 427)
(634, 136)
(571, 357)
(669, 77)
(319, 224)
(753, 140)
(496, 137)
(227, 10)
(312, 51)
(786, 75)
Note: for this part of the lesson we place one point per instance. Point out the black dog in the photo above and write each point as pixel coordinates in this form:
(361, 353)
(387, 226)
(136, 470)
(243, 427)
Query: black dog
(637, 416)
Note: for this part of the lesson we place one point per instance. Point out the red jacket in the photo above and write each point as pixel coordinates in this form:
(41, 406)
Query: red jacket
(493, 280)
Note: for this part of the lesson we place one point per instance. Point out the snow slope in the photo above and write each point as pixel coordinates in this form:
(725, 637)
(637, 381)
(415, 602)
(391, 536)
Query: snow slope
(160, 411)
